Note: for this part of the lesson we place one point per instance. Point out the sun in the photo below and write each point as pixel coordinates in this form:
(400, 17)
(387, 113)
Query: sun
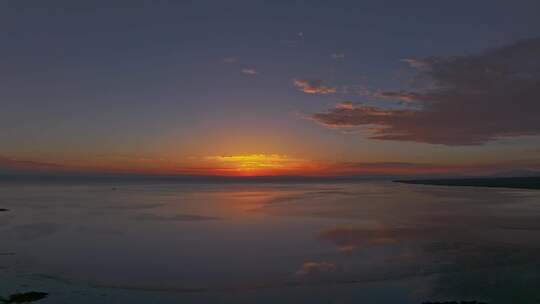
(256, 164)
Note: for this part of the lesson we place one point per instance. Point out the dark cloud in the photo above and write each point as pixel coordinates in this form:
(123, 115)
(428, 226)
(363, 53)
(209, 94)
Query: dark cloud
(315, 86)
(351, 115)
(465, 100)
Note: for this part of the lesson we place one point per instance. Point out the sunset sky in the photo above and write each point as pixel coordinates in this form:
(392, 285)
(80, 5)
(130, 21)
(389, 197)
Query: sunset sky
(270, 87)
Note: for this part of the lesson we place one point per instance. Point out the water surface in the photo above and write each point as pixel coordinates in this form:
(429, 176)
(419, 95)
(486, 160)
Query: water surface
(363, 242)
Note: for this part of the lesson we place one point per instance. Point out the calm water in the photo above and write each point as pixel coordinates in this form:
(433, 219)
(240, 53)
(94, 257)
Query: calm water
(366, 242)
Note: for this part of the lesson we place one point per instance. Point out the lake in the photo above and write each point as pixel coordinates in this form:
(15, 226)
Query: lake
(356, 242)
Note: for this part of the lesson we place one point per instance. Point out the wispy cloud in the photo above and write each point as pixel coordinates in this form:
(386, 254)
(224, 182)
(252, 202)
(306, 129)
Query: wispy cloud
(249, 71)
(315, 86)
(11, 165)
(345, 105)
(418, 63)
(403, 96)
(312, 268)
(469, 100)
(293, 41)
(338, 56)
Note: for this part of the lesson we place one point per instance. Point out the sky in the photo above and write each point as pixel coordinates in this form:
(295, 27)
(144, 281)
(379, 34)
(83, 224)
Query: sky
(270, 87)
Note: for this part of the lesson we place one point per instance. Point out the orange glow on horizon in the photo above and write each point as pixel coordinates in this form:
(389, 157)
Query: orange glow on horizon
(247, 165)
(257, 164)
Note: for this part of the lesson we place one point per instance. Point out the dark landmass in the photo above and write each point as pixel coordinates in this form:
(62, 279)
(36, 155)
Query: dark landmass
(498, 182)
(25, 297)
(456, 302)
(517, 173)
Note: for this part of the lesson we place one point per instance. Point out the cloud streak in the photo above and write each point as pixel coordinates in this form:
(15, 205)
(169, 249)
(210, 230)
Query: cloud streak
(466, 100)
(311, 268)
(403, 96)
(247, 71)
(315, 86)
(338, 56)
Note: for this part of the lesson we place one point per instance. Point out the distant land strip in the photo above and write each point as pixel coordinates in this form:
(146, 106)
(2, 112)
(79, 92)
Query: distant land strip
(496, 182)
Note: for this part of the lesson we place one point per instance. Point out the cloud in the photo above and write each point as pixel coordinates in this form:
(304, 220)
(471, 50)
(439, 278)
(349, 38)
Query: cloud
(315, 86)
(18, 166)
(338, 56)
(293, 41)
(418, 63)
(350, 115)
(249, 71)
(403, 96)
(345, 105)
(315, 268)
(468, 100)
